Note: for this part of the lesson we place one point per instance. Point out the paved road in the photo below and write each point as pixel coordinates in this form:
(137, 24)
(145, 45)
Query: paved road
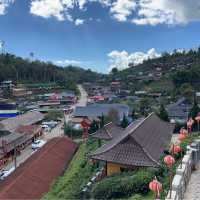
(193, 188)
(25, 154)
(83, 98)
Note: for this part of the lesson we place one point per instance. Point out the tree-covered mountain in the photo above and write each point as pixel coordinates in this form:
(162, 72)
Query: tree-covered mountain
(25, 71)
(171, 73)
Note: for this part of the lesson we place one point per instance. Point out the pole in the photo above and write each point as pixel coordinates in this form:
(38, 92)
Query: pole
(15, 156)
(170, 180)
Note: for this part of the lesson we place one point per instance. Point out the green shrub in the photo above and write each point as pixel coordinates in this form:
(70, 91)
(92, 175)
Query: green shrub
(124, 185)
(78, 174)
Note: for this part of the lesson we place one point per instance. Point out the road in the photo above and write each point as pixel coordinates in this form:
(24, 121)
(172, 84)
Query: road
(83, 98)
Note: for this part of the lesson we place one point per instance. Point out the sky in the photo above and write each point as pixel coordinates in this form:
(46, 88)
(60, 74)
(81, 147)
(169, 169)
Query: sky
(98, 34)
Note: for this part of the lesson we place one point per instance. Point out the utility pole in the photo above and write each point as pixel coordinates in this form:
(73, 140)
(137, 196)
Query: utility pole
(15, 155)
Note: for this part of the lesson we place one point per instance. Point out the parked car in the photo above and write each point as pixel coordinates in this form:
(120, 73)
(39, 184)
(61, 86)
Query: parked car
(5, 173)
(46, 128)
(51, 124)
(38, 144)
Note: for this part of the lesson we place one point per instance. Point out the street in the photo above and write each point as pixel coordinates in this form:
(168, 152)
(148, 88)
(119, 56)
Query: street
(83, 98)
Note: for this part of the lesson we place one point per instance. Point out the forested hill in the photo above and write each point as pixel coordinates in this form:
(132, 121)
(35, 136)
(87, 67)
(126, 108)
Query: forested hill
(26, 71)
(166, 63)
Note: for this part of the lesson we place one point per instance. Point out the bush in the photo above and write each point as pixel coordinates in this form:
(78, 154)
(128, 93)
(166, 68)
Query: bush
(124, 185)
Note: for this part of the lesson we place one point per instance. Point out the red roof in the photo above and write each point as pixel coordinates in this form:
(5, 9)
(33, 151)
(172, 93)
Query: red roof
(34, 177)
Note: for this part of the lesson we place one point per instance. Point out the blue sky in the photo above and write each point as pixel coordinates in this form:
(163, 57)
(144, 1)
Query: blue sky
(101, 34)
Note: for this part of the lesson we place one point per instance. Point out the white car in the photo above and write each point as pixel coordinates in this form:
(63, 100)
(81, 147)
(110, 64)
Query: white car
(5, 173)
(38, 144)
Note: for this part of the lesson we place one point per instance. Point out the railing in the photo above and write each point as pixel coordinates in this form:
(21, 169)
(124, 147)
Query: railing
(184, 171)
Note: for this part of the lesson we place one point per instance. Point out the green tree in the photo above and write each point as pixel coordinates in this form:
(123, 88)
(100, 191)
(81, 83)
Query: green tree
(162, 113)
(94, 127)
(102, 121)
(124, 122)
(194, 110)
(144, 105)
(113, 116)
(54, 115)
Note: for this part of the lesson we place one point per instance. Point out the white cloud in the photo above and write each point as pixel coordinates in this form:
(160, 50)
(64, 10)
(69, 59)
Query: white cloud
(121, 9)
(140, 12)
(78, 22)
(122, 59)
(4, 4)
(60, 9)
(169, 12)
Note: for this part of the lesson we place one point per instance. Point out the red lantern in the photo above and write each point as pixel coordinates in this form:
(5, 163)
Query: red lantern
(182, 137)
(156, 187)
(176, 149)
(197, 118)
(169, 161)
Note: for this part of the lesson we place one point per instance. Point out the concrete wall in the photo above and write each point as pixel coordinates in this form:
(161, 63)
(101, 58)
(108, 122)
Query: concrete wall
(183, 173)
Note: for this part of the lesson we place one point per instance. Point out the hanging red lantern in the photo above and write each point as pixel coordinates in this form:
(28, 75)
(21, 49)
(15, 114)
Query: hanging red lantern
(176, 149)
(197, 118)
(169, 161)
(156, 187)
(182, 137)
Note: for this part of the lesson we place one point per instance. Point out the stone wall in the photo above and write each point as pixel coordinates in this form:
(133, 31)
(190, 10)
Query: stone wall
(184, 171)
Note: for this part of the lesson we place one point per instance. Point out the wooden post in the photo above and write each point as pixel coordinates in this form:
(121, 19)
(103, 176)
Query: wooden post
(170, 180)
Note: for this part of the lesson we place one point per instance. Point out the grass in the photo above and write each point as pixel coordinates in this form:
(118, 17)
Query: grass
(150, 196)
(69, 186)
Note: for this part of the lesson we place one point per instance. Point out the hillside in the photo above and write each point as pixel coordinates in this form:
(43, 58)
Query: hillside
(22, 70)
(167, 74)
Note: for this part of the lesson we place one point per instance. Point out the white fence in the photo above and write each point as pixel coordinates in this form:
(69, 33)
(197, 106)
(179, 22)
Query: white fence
(183, 173)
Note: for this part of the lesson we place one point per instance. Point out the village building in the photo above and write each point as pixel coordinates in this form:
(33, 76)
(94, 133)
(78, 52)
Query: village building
(28, 118)
(21, 92)
(141, 144)
(10, 142)
(178, 111)
(18, 132)
(34, 178)
(33, 131)
(95, 111)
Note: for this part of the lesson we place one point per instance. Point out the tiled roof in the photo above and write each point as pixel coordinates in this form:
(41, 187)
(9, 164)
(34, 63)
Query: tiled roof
(107, 132)
(34, 177)
(141, 143)
(96, 110)
(29, 129)
(28, 118)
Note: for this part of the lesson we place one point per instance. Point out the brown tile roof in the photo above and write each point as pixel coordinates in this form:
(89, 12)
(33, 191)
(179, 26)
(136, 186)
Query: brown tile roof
(107, 132)
(34, 177)
(29, 129)
(140, 144)
(28, 118)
